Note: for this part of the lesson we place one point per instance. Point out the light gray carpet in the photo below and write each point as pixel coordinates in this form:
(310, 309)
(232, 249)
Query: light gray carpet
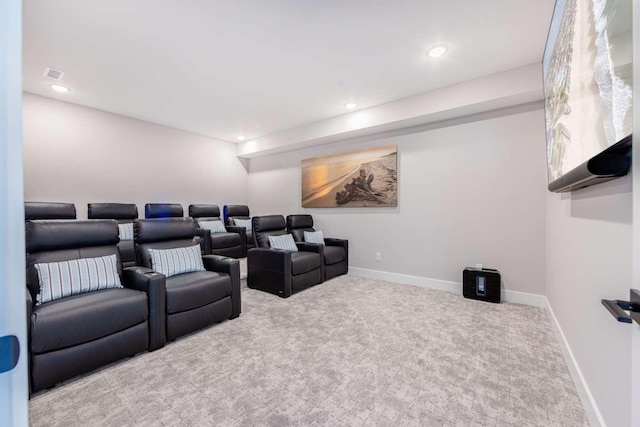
(351, 351)
(243, 269)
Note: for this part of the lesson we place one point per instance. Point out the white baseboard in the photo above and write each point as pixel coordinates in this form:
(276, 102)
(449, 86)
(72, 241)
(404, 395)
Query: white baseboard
(591, 408)
(525, 298)
(444, 285)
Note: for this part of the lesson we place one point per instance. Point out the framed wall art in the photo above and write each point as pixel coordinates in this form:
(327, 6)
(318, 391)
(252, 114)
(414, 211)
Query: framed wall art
(364, 178)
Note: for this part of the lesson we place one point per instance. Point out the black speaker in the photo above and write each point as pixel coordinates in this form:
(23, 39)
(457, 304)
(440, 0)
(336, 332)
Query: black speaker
(481, 284)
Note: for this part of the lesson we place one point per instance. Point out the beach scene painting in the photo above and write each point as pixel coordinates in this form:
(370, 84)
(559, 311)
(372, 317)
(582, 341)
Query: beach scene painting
(364, 178)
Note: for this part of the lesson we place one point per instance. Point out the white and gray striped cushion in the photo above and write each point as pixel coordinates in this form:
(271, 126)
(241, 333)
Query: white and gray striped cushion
(65, 278)
(314, 237)
(213, 226)
(246, 223)
(283, 242)
(125, 231)
(172, 262)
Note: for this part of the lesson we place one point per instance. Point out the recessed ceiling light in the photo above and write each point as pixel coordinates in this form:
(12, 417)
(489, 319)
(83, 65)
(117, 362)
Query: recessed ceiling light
(240, 137)
(350, 105)
(61, 89)
(437, 51)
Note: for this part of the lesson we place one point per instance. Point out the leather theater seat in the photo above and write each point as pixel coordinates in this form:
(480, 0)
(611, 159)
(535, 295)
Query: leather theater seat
(174, 210)
(123, 213)
(78, 333)
(336, 251)
(281, 272)
(193, 299)
(232, 243)
(234, 212)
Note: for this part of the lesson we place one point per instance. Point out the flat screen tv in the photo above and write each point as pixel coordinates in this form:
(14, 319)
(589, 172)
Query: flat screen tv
(587, 71)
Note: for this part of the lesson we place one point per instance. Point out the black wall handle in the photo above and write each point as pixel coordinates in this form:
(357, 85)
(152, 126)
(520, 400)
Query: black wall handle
(616, 311)
(9, 352)
(618, 308)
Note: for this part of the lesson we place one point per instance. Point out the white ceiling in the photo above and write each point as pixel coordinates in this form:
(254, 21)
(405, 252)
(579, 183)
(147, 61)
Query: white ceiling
(257, 67)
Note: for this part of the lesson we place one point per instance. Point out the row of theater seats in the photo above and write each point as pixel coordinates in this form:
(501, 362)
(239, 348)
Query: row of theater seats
(79, 332)
(234, 243)
(268, 270)
(284, 272)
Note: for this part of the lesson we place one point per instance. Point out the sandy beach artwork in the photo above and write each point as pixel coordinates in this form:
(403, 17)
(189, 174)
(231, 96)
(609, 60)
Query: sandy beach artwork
(358, 179)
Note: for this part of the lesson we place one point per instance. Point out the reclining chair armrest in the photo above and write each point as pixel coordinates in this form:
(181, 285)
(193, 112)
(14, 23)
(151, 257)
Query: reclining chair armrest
(154, 284)
(220, 264)
(271, 258)
(235, 229)
(205, 239)
(340, 242)
(243, 236)
(141, 278)
(310, 247)
(29, 307)
(230, 266)
(274, 262)
(29, 302)
(330, 241)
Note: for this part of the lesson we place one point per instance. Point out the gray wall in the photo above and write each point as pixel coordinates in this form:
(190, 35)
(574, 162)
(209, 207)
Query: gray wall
(588, 257)
(469, 193)
(81, 155)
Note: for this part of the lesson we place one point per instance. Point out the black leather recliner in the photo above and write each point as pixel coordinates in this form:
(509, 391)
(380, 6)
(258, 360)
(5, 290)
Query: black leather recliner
(336, 251)
(277, 271)
(174, 210)
(123, 213)
(233, 243)
(79, 333)
(49, 210)
(233, 212)
(193, 300)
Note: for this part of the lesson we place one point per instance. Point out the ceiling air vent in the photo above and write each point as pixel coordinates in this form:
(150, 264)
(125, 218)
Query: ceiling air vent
(53, 74)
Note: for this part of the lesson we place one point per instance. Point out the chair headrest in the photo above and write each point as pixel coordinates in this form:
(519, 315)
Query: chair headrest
(267, 223)
(163, 229)
(163, 210)
(112, 211)
(236, 210)
(53, 235)
(198, 211)
(47, 210)
(299, 221)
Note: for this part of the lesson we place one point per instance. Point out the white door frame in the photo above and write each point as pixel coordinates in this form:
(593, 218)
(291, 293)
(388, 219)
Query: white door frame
(14, 390)
(635, 334)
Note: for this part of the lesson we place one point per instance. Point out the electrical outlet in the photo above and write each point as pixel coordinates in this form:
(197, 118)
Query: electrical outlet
(378, 256)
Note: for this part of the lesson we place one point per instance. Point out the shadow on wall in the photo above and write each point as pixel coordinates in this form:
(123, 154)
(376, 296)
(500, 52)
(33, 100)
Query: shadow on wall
(589, 202)
(245, 163)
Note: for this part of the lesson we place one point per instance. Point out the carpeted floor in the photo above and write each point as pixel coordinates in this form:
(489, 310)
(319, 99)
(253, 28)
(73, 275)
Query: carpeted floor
(243, 269)
(351, 351)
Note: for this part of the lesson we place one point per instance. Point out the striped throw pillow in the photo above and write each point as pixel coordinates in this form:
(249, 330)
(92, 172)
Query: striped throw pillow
(65, 278)
(314, 237)
(172, 262)
(283, 242)
(246, 223)
(213, 226)
(125, 231)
